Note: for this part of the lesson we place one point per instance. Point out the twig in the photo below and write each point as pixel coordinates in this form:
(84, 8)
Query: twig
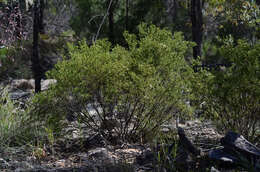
(103, 20)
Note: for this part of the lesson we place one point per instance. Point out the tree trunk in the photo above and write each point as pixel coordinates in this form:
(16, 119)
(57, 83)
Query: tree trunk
(36, 67)
(111, 25)
(257, 2)
(197, 26)
(111, 35)
(171, 7)
(126, 14)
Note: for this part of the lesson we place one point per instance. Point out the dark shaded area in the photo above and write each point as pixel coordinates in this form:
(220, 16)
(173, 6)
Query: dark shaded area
(36, 68)
(236, 153)
(211, 67)
(187, 143)
(197, 29)
(38, 28)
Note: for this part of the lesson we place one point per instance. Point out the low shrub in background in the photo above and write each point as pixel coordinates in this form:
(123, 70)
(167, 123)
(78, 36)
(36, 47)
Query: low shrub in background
(119, 92)
(231, 96)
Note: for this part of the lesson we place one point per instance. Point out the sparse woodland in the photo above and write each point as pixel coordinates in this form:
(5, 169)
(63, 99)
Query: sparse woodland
(130, 85)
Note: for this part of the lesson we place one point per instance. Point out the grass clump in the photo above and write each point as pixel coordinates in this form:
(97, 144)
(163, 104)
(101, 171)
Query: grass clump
(15, 129)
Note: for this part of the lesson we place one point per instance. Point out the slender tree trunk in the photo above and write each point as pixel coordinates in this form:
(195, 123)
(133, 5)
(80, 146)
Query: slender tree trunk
(36, 67)
(111, 25)
(197, 26)
(171, 7)
(126, 14)
(175, 9)
(111, 35)
(257, 2)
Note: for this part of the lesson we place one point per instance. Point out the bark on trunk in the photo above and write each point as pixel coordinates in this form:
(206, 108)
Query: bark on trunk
(126, 14)
(111, 35)
(197, 26)
(111, 25)
(257, 2)
(36, 67)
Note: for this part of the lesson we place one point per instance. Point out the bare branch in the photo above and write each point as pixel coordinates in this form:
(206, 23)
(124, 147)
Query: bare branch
(103, 20)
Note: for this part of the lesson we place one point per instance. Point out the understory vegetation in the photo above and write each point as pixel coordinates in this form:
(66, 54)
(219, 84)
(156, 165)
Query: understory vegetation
(123, 93)
(124, 70)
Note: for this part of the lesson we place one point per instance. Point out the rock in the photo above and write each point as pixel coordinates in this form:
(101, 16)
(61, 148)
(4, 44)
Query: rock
(237, 152)
(213, 170)
(94, 141)
(23, 88)
(22, 165)
(47, 83)
(99, 153)
(25, 84)
(146, 157)
(220, 154)
(4, 164)
(60, 163)
(22, 84)
(19, 95)
(168, 128)
(239, 143)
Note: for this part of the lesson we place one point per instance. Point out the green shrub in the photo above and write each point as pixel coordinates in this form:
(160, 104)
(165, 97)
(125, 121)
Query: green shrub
(232, 96)
(122, 92)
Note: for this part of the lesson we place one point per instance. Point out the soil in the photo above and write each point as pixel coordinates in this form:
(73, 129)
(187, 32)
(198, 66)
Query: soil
(76, 153)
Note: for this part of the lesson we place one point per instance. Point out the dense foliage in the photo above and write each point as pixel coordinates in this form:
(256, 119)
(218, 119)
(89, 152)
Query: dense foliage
(129, 92)
(231, 96)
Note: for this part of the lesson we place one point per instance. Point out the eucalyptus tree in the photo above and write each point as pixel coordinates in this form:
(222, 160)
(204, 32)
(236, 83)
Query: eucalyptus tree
(38, 28)
(42, 34)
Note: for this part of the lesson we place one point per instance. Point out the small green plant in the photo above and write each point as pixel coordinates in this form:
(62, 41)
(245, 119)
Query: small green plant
(38, 151)
(167, 152)
(3, 52)
(50, 137)
(122, 93)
